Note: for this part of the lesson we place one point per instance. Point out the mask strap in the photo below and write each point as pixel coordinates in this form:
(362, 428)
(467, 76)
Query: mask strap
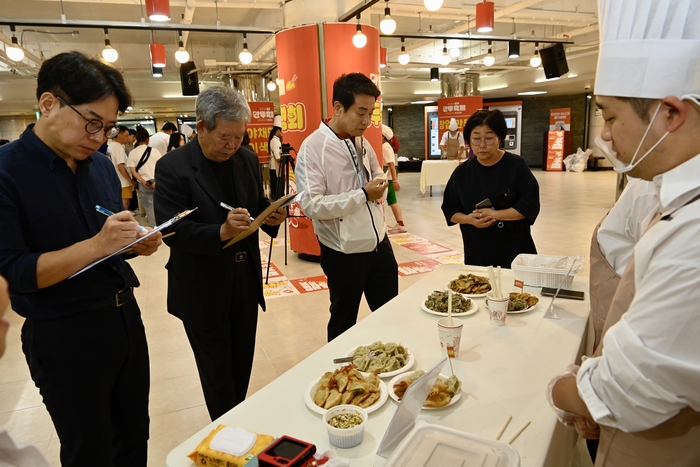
(645, 134)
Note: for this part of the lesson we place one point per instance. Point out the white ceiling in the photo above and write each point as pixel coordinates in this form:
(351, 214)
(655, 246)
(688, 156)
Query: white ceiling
(572, 19)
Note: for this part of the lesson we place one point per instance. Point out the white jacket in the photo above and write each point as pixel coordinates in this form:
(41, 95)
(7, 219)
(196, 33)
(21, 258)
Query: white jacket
(331, 176)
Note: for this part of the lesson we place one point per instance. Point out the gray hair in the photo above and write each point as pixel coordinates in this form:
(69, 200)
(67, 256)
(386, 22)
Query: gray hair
(223, 103)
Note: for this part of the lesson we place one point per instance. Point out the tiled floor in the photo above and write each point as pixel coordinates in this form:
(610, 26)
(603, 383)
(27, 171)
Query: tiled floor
(294, 326)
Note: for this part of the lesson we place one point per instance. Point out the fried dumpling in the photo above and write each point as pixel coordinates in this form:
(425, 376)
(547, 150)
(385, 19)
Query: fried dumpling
(333, 399)
(371, 399)
(372, 380)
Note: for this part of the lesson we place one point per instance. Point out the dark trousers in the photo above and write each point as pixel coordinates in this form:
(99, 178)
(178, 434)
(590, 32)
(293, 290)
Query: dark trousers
(93, 373)
(273, 185)
(223, 343)
(376, 274)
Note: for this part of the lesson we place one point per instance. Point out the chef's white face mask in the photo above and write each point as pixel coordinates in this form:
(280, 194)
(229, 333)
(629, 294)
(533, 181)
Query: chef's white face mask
(619, 166)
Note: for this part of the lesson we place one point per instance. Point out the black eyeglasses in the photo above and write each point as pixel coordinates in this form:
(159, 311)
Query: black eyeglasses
(94, 125)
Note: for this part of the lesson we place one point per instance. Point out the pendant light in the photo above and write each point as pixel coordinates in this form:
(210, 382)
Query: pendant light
(157, 72)
(271, 86)
(404, 58)
(434, 74)
(157, 55)
(382, 57)
(359, 40)
(388, 25)
(181, 55)
(245, 56)
(432, 5)
(14, 52)
(489, 59)
(158, 10)
(513, 49)
(109, 54)
(536, 60)
(445, 57)
(484, 16)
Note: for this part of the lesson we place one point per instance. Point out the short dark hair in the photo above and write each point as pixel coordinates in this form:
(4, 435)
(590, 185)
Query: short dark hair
(348, 86)
(142, 134)
(122, 129)
(132, 131)
(640, 105)
(174, 141)
(80, 79)
(493, 119)
(168, 126)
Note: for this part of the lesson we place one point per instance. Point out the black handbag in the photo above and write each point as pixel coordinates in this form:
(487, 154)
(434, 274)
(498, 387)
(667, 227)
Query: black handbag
(144, 158)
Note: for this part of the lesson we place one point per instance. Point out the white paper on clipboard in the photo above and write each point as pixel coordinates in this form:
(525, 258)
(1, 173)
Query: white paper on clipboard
(258, 221)
(151, 233)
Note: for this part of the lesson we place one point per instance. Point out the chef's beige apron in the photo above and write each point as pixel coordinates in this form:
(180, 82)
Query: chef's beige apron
(452, 148)
(602, 286)
(674, 443)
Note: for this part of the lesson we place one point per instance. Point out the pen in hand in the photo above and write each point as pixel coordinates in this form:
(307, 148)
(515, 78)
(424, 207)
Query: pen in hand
(230, 208)
(108, 213)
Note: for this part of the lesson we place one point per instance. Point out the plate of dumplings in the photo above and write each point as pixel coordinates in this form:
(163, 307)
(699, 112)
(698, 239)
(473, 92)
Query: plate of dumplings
(386, 359)
(346, 385)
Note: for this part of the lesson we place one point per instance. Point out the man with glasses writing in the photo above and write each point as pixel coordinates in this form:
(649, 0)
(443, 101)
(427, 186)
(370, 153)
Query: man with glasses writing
(83, 337)
(493, 197)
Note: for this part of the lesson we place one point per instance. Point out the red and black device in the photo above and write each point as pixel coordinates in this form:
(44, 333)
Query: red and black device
(287, 452)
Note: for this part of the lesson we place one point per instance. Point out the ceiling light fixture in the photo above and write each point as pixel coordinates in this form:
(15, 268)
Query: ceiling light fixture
(108, 53)
(513, 49)
(245, 56)
(434, 74)
(382, 57)
(404, 58)
(181, 55)
(14, 52)
(157, 55)
(484, 16)
(359, 40)
(158, 10)
(432, 5)
(445, 57)
(388, 25)
(536, 60)
(271, 86)
(489, 59)
(157, 72)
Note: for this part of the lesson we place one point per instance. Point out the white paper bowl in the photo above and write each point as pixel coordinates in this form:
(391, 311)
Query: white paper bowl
(345, 437)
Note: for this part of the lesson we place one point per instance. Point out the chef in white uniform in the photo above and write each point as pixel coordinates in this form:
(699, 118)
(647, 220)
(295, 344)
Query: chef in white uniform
(452, 142)
(642, 390)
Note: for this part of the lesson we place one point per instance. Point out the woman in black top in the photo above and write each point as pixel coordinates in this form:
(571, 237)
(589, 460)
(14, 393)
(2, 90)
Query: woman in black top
(492, 235)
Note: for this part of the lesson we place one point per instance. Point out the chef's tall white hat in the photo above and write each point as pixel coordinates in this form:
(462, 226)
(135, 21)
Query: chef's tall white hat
(277, 121)
(453, 125)
(648, 48)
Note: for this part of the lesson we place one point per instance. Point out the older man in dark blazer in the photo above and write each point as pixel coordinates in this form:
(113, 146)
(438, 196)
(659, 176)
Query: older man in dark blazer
(216, 291)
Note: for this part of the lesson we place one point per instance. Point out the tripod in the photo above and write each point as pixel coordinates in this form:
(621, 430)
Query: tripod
(282, 189)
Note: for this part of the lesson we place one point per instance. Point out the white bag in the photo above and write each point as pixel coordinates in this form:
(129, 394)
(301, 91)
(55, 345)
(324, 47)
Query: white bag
(577, 162)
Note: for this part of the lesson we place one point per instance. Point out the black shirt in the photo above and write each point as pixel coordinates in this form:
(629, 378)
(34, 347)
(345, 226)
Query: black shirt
(46, 207)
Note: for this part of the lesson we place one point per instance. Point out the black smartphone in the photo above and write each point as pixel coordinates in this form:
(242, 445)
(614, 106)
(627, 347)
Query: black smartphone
(563, 293)
(484, 204)
(286, 452)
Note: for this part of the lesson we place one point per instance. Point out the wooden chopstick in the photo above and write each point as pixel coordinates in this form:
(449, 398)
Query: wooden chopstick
(503, 428)
(518, 433)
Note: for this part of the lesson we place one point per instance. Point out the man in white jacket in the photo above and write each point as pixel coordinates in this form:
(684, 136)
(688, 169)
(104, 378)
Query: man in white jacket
(343, 183)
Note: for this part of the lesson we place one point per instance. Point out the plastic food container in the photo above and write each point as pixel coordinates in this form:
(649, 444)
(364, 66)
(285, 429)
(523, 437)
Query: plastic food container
(433, 445)
(533, 270)
(346, 437)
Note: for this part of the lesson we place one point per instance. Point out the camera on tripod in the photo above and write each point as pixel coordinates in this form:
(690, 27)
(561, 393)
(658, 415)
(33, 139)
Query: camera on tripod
(286, 147)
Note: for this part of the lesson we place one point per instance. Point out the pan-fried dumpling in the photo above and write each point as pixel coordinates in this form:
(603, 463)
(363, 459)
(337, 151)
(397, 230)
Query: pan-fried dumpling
(414, 376)
(333, 399)
(361, 362)
(372, 380)
(453, 385)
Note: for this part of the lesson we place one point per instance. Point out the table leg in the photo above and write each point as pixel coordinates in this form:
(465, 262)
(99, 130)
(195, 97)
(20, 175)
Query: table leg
(431, 190)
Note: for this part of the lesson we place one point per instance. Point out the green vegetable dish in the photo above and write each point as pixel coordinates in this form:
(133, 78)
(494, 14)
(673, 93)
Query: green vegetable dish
(437, 301)
(345, 420)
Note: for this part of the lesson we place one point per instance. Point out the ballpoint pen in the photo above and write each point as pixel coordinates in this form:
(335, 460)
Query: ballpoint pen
(107, 212)
(230, 208)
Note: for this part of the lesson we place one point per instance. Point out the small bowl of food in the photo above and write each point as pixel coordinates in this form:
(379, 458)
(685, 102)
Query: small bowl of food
(346, 425)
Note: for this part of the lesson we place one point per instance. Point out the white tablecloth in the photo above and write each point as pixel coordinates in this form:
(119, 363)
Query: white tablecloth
(436, 173)
(504, 370)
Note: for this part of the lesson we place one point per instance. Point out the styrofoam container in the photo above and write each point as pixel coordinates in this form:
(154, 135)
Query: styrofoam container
(529, 269)
(345, 437)
(433, 445)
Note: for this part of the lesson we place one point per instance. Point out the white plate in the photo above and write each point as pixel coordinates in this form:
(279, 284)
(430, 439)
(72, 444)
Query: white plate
(409, 364)
(519, 311)
(401, 377)
(311, 390)
(475, 308)
(468, 295)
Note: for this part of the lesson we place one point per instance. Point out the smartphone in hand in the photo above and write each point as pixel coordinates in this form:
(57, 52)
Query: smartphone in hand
(484, 204)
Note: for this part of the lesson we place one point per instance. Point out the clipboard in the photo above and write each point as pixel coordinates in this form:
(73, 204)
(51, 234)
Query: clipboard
(155, 230)
(258, 221)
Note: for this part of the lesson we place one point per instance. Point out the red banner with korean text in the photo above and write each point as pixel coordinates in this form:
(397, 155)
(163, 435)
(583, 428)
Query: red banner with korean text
(459, 108)
(262, 115)
(560, 119)
(555, 150)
